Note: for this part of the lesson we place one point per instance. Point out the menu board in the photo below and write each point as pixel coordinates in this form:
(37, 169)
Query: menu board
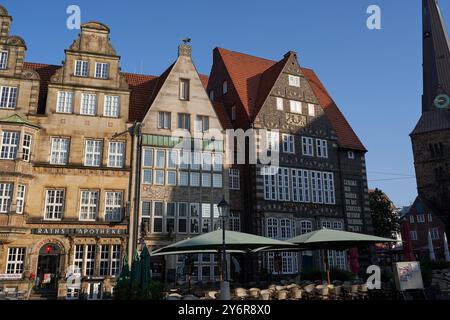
(353, 207)
(408, 275)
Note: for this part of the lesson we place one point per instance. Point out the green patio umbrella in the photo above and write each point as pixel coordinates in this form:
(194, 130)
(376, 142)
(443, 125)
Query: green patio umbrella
(212, 242)
(146, 272)
(123, 282)
(135, 275)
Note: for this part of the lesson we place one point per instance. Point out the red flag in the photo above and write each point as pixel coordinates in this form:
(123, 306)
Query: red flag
(407, 244)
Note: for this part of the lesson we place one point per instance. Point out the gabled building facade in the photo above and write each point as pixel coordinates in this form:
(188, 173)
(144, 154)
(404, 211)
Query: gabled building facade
(321, 178)
(431, 136)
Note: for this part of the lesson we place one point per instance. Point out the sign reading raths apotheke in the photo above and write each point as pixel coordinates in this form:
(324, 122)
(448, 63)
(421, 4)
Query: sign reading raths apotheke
(97, 232)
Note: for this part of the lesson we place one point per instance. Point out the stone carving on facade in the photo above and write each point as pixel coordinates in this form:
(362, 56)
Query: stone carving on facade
(57, 77)
(16, 41)
(30, 75)
(296, 119)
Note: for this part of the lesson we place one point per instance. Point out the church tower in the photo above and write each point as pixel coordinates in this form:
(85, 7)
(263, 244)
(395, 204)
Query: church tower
(431, 136)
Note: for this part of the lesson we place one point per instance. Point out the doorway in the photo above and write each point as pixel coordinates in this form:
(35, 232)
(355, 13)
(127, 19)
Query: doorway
(48, 267)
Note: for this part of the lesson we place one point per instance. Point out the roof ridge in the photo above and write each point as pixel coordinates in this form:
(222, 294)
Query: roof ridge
(248, 55)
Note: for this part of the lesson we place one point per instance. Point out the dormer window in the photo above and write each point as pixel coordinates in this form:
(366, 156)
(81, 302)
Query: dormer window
(294, 81)
(102, 70)
(184, 89)
(225, 87)
(3, 60)
(81, 68)
(211, 95)
(351, 155)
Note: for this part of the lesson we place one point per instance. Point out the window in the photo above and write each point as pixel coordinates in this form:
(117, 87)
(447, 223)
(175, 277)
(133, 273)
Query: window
(305, 226)
(217, 180)
(73, 293)
(8, 97)
(171, 178)
(90, 260)
(102, 70)
(328, 188)
(300, 185)
(112, 106)
(233, 113)
(16, 260)
(307, 146)
(283, 184)
(93, 153)
(6, 190)
(273, 140)
(311, 110)
(164, 119)
(270, 183)
(279, 103)
(157, 218)
(160, 158)
(316, 187)
(195, 179)
(78, 259)
(148, 157)
(211, 95)
(350, 155)
(159, 177)
(217, 162)
(146, 215)
(420, 218)
(113, 205)
(272, 227)
(171, 214)
(26, 147)
(81, 68)
(147, 176)
(322, 148)
(104, 260)
(296, 106)
(182, 217)
(3, 60)
(206, 179)
(225, 87)
(194, 217)
(116, 154)
(294, 81)
(288, 143)
(196, 160)
(411, 219)
(88, 104)
(235, 221)
(54, 204)
(60, 151)
(434, 233)
(413, 235)
(88, 205)
(430, 217)
(65, 102)
(183, 179)
(184, 121)
(285, 229)
(202, 124)
(206, 161)
(336, 258)
(9, 145)
(234, 179)
(185, 159)
(184, 89)
(206, 217)
(20, 198)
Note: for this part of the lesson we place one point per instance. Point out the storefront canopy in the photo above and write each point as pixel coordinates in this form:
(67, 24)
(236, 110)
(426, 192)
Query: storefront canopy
(212, 242)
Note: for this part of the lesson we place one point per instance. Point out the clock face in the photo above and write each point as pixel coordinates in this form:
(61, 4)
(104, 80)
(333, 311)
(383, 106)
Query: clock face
(442, 101)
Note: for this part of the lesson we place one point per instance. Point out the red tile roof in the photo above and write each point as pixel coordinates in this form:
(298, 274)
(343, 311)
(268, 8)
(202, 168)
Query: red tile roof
(253, 78)
(141, 87)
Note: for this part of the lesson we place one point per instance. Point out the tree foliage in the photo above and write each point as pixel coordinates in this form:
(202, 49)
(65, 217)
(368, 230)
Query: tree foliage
(384, 218)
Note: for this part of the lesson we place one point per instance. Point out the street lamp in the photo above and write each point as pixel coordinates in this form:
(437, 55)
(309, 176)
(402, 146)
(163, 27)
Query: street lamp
(225, 285)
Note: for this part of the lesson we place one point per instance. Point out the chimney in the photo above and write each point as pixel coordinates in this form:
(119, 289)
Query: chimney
(5, 21)
(184, 50)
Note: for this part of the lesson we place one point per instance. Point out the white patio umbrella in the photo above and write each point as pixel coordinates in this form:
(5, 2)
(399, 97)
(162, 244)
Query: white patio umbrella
(446, 252)
(431, 248)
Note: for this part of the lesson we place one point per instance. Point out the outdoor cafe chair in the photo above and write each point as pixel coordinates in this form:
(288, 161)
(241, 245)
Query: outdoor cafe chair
(282, 295)
(190, 297)
(211, 295)
(254, 293)
(296, 293)
(265, 294)
(309, 290)
(363, 291)
(240, 293)
(174, 296)
(322, 291)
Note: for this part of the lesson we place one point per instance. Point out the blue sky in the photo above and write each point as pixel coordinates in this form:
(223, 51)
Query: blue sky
(375, 76)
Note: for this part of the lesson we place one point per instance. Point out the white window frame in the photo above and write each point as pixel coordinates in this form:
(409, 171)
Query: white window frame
(201, 123)
(15, 263)
(273, 141)
(6, 194)
(88, 105)
(322, 148)
(430, 217)
(102, 70)
(272, 225)
(294, 81)
(295, 106)
(81, 68)
(194, 218)
(413, 235)
(420, 218)
(26, 147)
(9, 145)
(183, 178)
(300, 185)
(283, 184)
(111, 107)
(280, 103)
(434, 233)
(225, 87)
(4, 55)
(270, 183)
(217, 180)
(305, 226)
(311, 110)
(159, 173)
(93, 152)
(316, 186)
(183, 216)
(288, 143)
(59, 153)
(235, 221)
(206, 180)
(20, 198)
(54, 211)
(195, 179)
(159, 217)
(234, 179)
(184, 93)
(169, 174)
(164, 120)
(307, 146)
(411, 218)
(171, 217)
(8, 97)
(89, 210)
(64, 102)
(329, 195)
(350, 154)
(116, 154)
(113, 205)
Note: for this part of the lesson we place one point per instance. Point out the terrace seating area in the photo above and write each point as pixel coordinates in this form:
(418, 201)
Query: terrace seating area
(11, 293)
(287, 290)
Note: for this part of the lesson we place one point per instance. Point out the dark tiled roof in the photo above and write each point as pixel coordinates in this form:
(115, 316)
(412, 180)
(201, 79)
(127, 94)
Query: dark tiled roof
(432, 121)
(141, 87)
(253, 78)
(222, 115)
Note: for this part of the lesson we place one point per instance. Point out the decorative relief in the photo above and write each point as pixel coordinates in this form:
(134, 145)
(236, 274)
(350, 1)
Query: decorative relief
(57, 77)
(15, 41)
(30, 75)
(296, 119)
